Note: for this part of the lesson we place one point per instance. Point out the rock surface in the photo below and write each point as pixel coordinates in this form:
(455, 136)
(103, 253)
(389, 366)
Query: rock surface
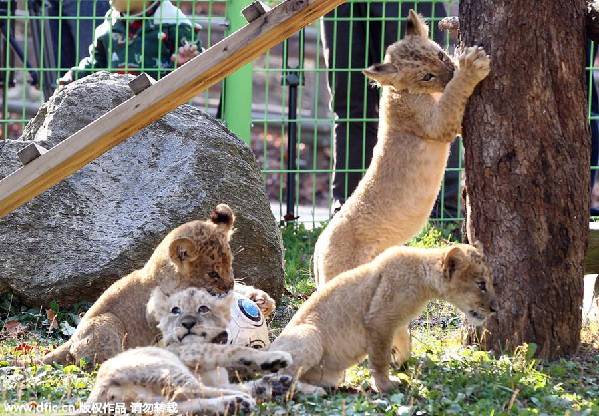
(74, 240)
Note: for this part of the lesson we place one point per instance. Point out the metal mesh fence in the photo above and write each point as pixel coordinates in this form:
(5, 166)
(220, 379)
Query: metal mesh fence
(290, 106)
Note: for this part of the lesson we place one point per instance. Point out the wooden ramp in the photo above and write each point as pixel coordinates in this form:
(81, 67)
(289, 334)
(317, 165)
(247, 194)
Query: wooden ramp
(265, 30)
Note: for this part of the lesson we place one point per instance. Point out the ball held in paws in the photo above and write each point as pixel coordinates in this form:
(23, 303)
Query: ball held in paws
(247, 326)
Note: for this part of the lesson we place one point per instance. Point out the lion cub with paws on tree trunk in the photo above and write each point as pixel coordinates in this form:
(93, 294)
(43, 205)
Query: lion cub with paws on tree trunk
(192, 322)
(357, 314)
(421, 110)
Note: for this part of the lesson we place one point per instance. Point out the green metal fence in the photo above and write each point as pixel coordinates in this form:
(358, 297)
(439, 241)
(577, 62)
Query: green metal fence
(284, 91)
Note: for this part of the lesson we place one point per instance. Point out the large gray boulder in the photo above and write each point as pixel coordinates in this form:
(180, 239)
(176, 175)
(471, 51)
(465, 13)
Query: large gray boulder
(73, 241)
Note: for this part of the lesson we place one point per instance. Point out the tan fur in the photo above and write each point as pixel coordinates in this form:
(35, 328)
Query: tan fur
(418, 121)
(189, 320)
(194, 254)
(358, 313)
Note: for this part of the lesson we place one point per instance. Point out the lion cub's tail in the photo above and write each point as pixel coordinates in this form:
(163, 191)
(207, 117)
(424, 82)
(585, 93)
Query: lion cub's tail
(60, 355)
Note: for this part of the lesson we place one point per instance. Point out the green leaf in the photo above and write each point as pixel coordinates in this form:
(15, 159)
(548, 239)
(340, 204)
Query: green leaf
(70, 369)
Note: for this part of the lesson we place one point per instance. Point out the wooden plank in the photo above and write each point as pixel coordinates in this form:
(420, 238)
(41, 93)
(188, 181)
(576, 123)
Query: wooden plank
(171, 91)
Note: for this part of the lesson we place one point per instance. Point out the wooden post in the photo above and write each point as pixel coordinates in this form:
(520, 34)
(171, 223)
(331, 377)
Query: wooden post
(149, 105)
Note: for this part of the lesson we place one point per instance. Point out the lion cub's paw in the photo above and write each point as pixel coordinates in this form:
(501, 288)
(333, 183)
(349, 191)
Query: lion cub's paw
(475, 62)
(238, 403)
(308, 389)
(386, 385)
(267, 387)
(271, 361)
(266, 304)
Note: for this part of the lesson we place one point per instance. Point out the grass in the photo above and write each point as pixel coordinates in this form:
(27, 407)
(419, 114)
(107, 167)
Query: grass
(443, 377)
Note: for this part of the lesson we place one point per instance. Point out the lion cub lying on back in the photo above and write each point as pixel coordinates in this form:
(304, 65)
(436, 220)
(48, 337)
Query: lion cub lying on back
(189, 320)
(193, 325)
(357, 313)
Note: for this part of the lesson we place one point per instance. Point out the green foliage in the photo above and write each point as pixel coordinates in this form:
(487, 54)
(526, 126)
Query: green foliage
(37, 319)
(299, 248)
(22, 380)
(434, 236)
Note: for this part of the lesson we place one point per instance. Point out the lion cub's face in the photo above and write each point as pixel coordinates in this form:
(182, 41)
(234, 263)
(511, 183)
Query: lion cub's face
(469, 282)
(192, 315)
(416, 63)
(202, 253)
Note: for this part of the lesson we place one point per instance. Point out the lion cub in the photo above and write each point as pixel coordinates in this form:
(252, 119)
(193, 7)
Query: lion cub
(421, 109)
(192, 323)
(194, 254)
(358, 312)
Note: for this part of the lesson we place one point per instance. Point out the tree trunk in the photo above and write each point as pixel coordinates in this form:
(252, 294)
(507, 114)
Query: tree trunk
(527, 147)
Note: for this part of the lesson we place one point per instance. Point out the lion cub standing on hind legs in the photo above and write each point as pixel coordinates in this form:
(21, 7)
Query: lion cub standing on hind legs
(357, 313)
(421, 110)
(194, 254)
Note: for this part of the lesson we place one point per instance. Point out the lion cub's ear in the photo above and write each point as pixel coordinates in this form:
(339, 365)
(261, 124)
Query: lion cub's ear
(223, 215)
(416, 26)
(182, 250)
(454, 260)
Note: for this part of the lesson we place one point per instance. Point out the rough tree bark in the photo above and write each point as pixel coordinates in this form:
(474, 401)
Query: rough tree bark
(527, 148)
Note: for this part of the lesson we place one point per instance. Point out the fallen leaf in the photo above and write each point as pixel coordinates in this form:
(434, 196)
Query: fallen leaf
(51, 315)
(23, 348)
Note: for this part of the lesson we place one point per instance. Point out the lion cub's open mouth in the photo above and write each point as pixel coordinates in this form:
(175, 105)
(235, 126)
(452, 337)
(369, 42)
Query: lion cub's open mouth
(221, 338)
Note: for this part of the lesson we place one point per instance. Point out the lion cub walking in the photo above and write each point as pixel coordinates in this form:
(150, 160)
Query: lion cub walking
(358, 312)
(421, 110)
(192, 323)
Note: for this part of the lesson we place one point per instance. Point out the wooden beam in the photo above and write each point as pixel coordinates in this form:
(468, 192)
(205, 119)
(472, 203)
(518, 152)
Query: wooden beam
(171, 91)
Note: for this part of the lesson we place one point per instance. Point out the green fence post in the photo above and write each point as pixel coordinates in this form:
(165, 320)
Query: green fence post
(237, 109)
